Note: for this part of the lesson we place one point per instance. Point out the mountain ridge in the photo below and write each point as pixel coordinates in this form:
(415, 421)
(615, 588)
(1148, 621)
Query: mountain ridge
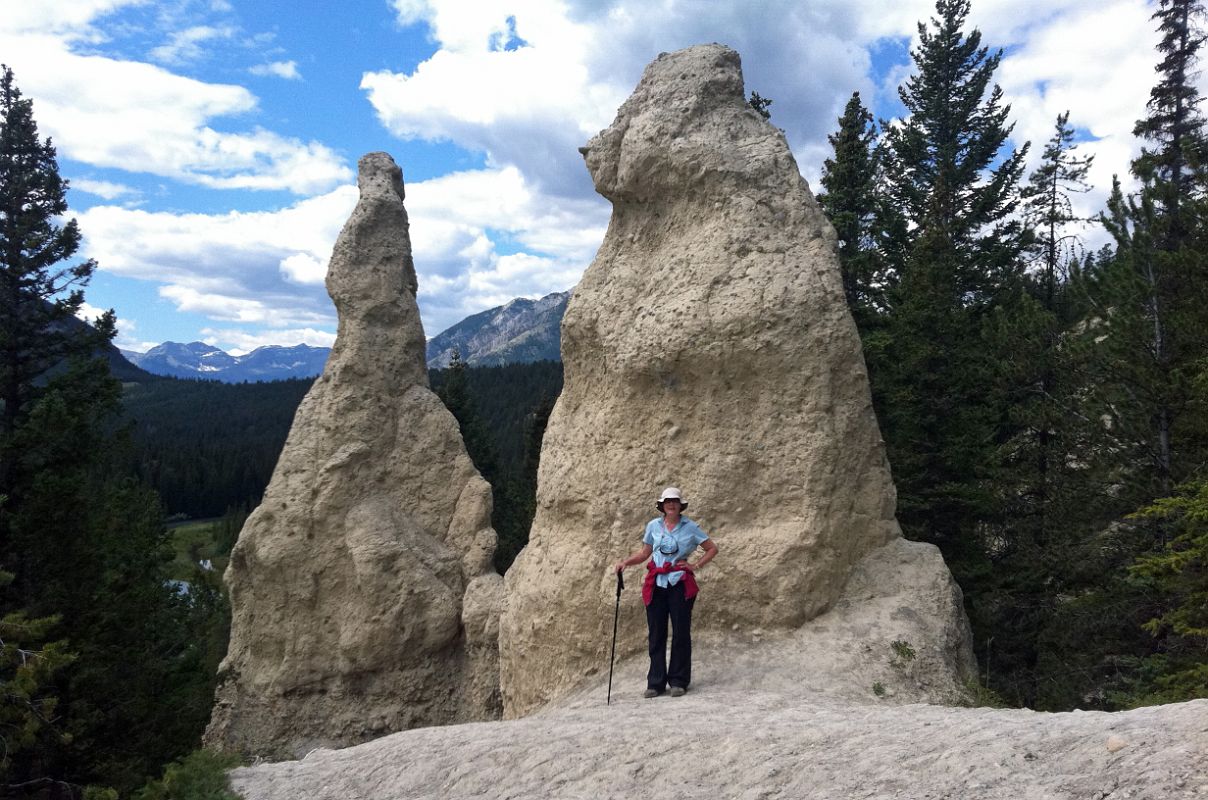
(520, 331)
(201, 360)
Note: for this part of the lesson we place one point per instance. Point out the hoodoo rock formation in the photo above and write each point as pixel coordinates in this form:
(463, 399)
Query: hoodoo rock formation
(708, 346)
(363, 597)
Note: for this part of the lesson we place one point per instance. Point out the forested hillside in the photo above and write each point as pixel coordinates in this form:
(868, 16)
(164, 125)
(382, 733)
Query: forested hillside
(502, 412)
(208, 447)
(1044, 407)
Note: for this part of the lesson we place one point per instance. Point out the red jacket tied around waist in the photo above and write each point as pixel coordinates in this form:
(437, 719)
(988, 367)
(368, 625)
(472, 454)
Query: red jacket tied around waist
(652, 573)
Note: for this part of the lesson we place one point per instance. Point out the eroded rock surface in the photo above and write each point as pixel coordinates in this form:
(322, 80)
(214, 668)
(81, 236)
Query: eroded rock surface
(751, 744)
(709, 347)
(363, 596)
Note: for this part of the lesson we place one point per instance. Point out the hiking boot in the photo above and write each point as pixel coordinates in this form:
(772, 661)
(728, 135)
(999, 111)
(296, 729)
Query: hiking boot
(677, 691)
(649, 693)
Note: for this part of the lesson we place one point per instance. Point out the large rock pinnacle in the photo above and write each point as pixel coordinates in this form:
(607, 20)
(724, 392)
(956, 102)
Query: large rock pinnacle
(708, 346)
(362, 592)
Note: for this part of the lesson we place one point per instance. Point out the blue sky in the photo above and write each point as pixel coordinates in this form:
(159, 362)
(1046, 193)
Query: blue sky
(211, 144)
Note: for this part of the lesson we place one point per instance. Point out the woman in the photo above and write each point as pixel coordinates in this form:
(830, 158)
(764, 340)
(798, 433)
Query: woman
(669, 590)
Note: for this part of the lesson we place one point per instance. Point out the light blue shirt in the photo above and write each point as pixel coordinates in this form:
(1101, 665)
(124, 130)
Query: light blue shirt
(671, 546)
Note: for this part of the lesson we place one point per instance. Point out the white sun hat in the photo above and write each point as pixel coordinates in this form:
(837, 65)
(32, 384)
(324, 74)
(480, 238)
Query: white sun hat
(671, 493)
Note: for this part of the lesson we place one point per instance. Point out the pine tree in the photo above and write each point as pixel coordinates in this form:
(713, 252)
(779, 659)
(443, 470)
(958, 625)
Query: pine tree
(1178, 670)
(1148, 332)
(1045, 367)
(951, 177)
(956, 310)
(1174, 124)
(454, 391)
(86, 545)
(850, 200)
(1043, 493)
(1049, 207)
(953, 183)
(1149, 297)
(38, 296)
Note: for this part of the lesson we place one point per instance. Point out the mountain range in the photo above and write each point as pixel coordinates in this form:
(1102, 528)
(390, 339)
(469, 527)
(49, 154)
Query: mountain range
(518, 332)
(200, 360)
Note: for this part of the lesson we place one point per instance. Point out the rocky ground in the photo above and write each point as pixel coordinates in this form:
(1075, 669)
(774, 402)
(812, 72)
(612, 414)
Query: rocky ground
(741, 733)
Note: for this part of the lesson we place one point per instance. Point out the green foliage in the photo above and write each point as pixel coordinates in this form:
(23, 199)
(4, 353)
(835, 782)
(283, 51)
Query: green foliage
(502, 412)
(760, 104)
(935, 372)
(1178, 574)
(1144, 337)
(125, 685)
(903, 653)
(1148, 332)
(30, 663)
(454, 391)
(1027, 411)
(1049, 208)
(1174, 125)
(201, 775)
(517, 519)
(878, 689)
(1045, 497)
(952, 177)
(38, 296)
(210, 540)
(205, 446)
(852, 201)
(981, 697)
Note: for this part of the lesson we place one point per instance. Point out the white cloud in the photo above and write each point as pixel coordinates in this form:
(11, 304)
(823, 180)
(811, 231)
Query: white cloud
(524, 82)
(573, 64)
(72, 18)
(280, 69)
(239, 266)
(125, 339)
(1102, 77)
(89, 313)
(575, 61)
(303, 268)
(186, 45)
(529, 107)
(527, 81)
(138, 117)
(106, 189)
(483, 237)
(479, 238)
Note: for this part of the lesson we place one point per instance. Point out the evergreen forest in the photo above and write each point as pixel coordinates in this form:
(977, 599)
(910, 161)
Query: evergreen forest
(1044, 405)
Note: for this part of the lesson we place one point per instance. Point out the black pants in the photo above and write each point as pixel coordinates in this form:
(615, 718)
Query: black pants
(670, 603)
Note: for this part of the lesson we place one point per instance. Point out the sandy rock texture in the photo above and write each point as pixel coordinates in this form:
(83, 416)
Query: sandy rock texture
(363, 595)
(708, 346)
(725, 740)
(895, 633)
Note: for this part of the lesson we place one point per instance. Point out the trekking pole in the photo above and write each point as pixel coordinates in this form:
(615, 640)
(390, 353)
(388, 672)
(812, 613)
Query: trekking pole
(616, 616)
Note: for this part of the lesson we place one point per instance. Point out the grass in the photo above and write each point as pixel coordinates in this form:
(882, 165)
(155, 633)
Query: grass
(192, 542)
